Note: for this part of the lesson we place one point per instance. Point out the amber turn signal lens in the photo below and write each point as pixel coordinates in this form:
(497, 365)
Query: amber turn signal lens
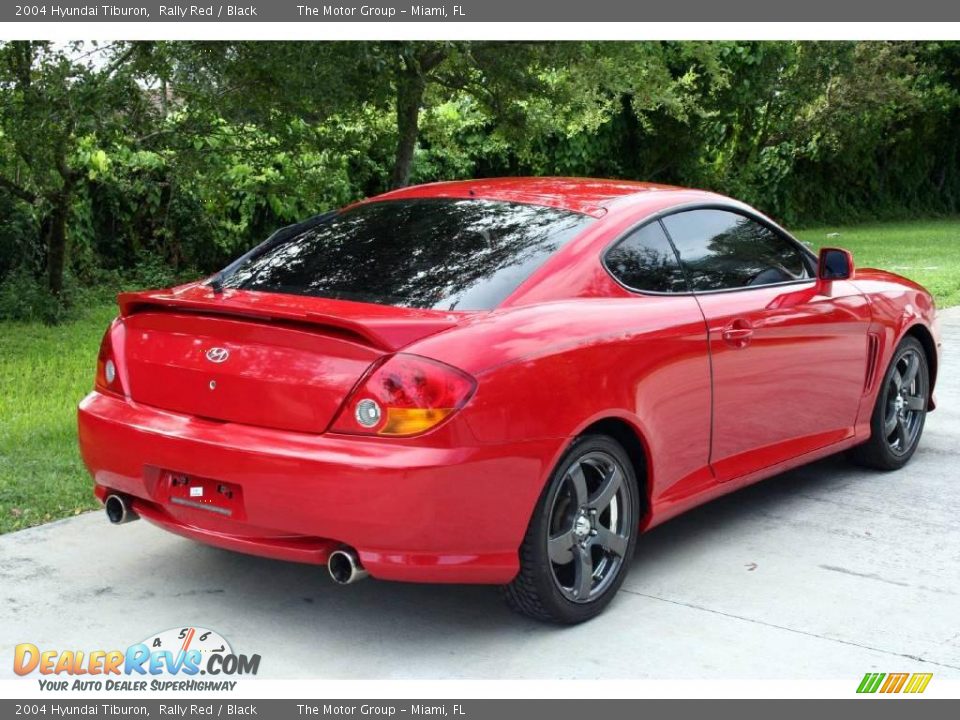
(410, 421)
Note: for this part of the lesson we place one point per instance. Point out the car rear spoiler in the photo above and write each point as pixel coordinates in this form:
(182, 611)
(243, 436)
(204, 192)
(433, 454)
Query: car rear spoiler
(387, 328)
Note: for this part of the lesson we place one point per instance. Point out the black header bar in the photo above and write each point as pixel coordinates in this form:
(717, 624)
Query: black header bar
(538, 11)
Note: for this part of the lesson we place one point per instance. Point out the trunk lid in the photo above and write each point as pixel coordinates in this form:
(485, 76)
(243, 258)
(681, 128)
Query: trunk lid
(266, 359)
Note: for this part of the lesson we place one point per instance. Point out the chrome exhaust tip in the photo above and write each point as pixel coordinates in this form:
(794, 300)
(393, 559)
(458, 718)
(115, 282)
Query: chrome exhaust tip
(345, 567)
(118, 510)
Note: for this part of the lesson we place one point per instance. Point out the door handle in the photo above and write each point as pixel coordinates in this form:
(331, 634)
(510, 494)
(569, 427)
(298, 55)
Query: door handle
(738, 333)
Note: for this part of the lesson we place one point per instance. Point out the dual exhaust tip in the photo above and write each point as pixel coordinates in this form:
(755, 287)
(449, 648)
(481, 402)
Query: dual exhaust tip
(119, 510)
(343, 565)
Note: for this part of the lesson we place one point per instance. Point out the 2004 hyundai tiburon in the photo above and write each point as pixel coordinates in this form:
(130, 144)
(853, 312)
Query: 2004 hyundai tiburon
(499, 381)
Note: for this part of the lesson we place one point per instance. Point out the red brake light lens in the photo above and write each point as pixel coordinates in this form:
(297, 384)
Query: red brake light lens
(108, 374)
(406, 395)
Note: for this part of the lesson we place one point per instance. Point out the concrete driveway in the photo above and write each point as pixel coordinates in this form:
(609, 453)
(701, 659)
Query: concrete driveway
(825, 572)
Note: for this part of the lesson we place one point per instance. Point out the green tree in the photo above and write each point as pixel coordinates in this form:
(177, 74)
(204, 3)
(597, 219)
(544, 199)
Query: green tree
(120, 155)
(268, 83)
(52, 98)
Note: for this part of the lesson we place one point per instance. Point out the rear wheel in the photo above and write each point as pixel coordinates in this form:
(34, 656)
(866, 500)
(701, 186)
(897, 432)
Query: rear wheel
(900, 411)
(578, 546)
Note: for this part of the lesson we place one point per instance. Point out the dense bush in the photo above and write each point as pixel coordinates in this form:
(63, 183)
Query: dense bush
(164, 160)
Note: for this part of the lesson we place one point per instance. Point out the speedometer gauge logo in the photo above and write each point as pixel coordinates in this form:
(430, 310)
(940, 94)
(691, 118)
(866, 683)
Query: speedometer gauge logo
(184, 639)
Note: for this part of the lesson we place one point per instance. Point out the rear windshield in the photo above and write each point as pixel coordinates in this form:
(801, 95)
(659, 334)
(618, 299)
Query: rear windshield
(444, 254)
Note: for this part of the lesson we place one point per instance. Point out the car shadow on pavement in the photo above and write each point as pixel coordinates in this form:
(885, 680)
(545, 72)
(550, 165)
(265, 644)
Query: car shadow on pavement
(725, 513)
(289, 597)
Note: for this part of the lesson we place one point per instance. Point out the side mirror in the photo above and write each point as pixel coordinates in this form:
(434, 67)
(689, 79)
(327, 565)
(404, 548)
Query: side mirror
(834, 264)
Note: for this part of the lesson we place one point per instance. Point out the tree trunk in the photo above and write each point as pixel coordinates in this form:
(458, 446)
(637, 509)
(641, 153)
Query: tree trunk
(410, 88)
(57, 244)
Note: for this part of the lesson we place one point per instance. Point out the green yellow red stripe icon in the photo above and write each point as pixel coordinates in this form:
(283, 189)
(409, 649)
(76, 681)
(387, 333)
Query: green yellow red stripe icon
(894, 683)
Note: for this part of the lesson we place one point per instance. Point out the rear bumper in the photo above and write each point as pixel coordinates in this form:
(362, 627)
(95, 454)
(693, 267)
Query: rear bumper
(413, 511)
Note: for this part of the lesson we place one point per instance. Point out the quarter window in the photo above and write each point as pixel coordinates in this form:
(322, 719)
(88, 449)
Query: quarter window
(722, 250)
(644, 260)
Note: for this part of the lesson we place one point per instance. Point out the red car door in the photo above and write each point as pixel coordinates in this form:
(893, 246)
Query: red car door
(788, 360)
(671, 385)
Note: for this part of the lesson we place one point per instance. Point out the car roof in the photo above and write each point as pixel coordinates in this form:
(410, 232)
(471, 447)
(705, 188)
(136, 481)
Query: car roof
(590, 196)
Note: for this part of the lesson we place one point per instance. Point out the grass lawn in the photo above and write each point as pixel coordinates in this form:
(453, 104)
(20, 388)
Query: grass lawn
(45, 371)
(926, 251)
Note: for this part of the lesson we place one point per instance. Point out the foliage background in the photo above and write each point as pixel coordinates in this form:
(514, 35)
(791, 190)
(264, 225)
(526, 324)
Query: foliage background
(137, 163)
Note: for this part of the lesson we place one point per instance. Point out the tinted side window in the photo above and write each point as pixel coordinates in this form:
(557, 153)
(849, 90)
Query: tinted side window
(721, 250)
(644, 260)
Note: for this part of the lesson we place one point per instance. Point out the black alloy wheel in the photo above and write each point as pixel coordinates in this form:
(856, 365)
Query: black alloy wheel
(581, 539)
(900, 411)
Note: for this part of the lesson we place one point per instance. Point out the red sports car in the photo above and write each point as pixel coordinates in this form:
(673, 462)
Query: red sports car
(499, 381)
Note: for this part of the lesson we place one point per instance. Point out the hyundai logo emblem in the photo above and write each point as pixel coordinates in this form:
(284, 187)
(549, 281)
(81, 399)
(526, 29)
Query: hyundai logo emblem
(217, 354)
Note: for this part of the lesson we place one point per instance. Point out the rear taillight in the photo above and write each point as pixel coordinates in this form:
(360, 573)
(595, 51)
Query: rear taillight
(108, 372)
(406, 395)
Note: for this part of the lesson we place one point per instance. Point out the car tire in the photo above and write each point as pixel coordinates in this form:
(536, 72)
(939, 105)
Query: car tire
(900, 410)
(592, 505)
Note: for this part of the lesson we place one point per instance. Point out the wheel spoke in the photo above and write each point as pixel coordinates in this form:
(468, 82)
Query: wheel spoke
(914, 402)
(606, 538)
(607, 490)
(902, 434)
(913, 365)
(560, 548)
(890, 424)
(897, 380)
(583, 579)
(575, 474)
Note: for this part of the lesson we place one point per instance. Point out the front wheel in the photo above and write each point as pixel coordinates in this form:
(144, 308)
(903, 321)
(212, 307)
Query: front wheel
(580, 541)
(900, 411)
